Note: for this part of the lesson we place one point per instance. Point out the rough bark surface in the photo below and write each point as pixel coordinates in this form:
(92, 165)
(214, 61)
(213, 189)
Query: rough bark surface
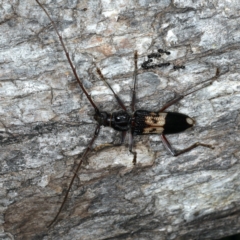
(46, 122)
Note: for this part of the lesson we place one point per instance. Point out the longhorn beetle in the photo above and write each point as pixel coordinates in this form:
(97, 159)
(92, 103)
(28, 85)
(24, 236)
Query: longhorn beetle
(138, 122)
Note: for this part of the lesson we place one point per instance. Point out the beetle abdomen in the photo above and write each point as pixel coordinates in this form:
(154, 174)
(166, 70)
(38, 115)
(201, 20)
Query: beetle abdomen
(146, 122)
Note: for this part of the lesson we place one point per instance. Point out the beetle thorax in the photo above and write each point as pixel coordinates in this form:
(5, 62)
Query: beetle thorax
(119, 121)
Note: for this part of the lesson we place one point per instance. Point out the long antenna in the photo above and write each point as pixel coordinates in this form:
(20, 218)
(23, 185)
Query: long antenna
(69, 59)
(93, 104)
(97, 129)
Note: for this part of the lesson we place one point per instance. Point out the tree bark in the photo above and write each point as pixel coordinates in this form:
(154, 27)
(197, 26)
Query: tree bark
(47, 122)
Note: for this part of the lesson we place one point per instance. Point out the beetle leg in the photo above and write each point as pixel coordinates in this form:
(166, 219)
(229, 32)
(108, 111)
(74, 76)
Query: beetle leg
(179, 97)
(130, 148)
(174, 152)
(170, 103)
(134, 82)
(106, 145)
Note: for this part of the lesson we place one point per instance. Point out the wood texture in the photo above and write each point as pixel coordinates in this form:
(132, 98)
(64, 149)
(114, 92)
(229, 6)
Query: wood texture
(46, 122)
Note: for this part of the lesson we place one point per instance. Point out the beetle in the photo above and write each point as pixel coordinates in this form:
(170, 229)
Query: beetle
(138, 122)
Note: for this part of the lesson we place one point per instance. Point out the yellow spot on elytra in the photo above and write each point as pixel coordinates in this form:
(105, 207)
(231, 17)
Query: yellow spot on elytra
(156, 119)
(190, 121)
(153, 130)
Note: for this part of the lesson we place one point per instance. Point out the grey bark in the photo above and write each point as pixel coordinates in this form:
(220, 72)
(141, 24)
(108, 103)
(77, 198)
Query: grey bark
(46, 122)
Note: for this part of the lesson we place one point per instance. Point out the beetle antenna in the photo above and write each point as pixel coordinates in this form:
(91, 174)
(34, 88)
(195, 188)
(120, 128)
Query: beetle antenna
(97, 129)
(69, 59)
